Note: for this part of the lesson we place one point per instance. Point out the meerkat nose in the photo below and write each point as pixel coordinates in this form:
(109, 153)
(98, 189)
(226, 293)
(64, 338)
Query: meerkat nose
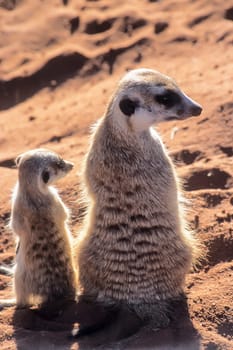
(196, 110)
(69, 165)
(193, 108)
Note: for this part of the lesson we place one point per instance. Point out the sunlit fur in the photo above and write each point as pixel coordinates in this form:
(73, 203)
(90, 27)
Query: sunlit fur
(135, 246)
(44, 268)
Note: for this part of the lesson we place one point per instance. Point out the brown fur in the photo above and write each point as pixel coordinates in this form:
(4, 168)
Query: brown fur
(135, 247)
(44, 268)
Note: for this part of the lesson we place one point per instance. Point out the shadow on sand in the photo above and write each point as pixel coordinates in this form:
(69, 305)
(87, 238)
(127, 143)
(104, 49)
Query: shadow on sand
(99, 327)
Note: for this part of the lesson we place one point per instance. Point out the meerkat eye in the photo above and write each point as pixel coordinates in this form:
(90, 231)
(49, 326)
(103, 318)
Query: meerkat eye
(168, 99)
(128, 106)
(45, 176)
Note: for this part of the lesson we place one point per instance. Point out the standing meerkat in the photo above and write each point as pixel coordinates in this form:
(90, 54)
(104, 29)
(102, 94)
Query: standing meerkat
(135, 247)
(44, 269)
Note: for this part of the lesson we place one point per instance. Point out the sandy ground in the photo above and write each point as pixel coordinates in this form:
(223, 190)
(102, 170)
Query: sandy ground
(59, 63)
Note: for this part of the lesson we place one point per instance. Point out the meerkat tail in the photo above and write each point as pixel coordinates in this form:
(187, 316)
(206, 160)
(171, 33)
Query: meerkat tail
(7, 303)
(7, 271)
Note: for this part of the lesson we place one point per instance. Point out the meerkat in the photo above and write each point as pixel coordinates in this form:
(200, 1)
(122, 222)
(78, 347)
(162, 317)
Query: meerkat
(135, 247)
(44, 268)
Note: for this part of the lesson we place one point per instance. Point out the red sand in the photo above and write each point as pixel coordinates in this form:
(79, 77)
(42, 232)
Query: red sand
(59, 63)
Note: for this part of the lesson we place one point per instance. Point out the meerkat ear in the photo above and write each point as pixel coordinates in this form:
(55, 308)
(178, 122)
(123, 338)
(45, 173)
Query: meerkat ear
(17, 160)
(45, 176)
(127, 106)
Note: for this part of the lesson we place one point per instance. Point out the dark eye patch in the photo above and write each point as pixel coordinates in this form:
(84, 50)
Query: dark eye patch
(60, 164)
(45, 176)
(169, 98)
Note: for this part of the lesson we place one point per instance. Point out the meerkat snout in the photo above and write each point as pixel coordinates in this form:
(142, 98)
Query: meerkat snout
(56, 171)
(69, 165)
(192, 108)
(196, 110)
(147, 97)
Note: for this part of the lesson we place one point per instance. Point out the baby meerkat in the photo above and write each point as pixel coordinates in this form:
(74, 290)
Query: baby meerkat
(136, 247)
(44, 269)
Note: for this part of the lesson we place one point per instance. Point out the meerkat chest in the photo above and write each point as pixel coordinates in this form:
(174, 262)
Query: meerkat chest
(144, 177)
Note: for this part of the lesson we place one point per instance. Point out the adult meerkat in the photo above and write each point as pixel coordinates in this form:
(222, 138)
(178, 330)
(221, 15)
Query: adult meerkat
(44, 269)
(135, 247)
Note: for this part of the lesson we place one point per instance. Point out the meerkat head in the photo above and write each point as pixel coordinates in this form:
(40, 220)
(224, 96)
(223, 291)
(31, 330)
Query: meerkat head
(41, 167)
(145, 97)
